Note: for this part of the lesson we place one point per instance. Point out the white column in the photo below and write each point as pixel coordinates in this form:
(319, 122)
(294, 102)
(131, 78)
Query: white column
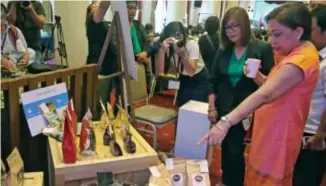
(251, 9)
(146, 12)
(194, 15)
(212, 7)
(244, 3)
(159, 16)
(232, 3)
(176, 10)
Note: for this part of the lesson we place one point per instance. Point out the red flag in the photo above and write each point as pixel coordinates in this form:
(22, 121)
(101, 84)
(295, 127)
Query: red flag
(84, 133)
(69, 150)
(72, 116)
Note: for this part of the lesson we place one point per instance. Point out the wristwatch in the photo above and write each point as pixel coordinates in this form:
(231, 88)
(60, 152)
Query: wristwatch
(226, 119)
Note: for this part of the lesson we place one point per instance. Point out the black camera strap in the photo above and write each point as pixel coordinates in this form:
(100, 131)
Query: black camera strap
(177, 64)
(3, 42)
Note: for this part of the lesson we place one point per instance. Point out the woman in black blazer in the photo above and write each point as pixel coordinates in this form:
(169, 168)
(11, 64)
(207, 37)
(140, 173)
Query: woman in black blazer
(230, 86)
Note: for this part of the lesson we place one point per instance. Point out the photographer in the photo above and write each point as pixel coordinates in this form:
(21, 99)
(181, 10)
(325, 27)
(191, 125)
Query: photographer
(179, 55)
(96, 31)
(182, 57)
(29, 17)
(14, 49)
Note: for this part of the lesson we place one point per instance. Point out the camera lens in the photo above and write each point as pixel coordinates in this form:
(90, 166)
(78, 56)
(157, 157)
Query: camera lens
(179, 39)
(180, 43)
(26, 3)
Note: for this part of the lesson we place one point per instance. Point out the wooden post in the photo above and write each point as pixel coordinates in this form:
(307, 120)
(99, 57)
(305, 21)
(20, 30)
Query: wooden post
(123, 61)
(116, 28)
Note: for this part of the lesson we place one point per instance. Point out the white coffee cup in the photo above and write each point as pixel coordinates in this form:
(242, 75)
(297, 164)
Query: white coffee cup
(253, 66)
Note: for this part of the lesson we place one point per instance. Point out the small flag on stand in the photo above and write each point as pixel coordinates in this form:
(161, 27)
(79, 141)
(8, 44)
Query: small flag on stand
(69, 148)
(72, 116)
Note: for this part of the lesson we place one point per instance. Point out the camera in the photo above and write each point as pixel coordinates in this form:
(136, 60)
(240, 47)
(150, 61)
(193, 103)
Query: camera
(178, 42)
(25, 4)
(57, 18)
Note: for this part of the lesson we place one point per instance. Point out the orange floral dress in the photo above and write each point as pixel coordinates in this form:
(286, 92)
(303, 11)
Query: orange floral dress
(278, 126)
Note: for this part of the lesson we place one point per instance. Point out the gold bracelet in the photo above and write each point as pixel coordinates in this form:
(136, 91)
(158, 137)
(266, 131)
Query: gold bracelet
(219, 127)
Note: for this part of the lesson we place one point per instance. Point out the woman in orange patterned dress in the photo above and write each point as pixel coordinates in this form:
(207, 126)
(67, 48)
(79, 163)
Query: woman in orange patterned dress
(281, 104)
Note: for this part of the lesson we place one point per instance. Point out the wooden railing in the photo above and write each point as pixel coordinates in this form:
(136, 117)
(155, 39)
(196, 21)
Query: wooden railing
(81, 84)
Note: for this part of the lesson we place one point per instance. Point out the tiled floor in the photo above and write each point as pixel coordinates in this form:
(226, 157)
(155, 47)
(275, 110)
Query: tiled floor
(166, 137)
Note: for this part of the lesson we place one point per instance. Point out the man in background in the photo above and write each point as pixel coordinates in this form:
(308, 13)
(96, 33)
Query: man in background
(139, 40)
(138, 34)
(29, 17)
(209, 43)
(310, 165)
(150, 33)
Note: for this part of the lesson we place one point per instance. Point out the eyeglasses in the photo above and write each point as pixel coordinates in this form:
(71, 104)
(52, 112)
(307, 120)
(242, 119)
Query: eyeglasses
(233, 27)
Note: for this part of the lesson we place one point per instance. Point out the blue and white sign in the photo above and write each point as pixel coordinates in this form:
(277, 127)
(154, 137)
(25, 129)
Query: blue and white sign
(57, 94)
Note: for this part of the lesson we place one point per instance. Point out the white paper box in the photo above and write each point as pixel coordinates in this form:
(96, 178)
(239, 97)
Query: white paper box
(193, 124)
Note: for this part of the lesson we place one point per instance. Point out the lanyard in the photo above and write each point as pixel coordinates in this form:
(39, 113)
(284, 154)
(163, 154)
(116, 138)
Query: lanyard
(3, 42)
(12, 37)
(177, 66)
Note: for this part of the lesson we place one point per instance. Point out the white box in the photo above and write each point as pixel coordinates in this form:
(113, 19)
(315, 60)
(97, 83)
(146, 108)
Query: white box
(193, 124)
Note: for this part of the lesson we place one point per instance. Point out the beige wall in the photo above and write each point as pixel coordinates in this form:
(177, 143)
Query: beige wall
(73, 25)
(232, 3)
(73, 22)
(176, 11)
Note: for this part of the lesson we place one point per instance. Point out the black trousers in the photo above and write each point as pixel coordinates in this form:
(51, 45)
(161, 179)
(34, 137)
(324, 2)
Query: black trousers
(233, 163)
(193, 88)
(309, 168)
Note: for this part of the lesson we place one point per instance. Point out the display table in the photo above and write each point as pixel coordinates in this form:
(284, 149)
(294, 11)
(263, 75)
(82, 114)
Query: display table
(127, 167)
(30, 178)
(33, 178)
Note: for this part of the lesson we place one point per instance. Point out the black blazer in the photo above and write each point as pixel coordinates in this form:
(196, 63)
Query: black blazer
(207, 50)
(227, 96)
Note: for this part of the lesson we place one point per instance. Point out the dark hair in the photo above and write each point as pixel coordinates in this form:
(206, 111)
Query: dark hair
(319, 12)
(212, 24)
(148, 27)
(263, 32)
(241, 16)
(132, 1)
(88, 11)
(256, 33)
(170, 30)
(196, 30)
(293, 15)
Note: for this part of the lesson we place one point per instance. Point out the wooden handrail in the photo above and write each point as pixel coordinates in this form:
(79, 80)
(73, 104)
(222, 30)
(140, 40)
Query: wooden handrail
(81, 84)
